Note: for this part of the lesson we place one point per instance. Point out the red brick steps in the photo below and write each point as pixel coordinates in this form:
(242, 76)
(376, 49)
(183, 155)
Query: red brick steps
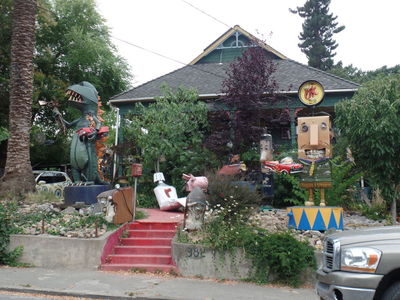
(143, 246)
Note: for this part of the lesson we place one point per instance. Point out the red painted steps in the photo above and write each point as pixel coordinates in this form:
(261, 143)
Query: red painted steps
(140, 267)
(143, 246)
(161, 250)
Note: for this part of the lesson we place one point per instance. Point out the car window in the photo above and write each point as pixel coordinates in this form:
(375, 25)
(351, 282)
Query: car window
(286, 161)
(51, 178)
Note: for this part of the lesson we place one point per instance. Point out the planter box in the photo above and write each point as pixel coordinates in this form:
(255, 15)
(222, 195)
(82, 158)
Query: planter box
(200, 261)
(50, 251)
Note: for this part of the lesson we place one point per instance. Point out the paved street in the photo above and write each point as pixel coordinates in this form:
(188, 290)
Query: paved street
(120, 285)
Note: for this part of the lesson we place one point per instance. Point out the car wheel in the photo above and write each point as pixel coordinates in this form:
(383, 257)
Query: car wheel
(285, 172)
(393, 292)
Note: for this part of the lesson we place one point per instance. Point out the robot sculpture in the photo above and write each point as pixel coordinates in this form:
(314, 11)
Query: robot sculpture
(314, 152)
(84, 97)
(314, 136)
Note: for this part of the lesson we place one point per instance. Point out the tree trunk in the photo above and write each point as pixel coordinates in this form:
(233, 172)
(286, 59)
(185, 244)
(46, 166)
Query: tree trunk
(18, 175)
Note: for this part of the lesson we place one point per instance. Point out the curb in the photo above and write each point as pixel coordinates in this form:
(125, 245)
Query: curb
(76, 295)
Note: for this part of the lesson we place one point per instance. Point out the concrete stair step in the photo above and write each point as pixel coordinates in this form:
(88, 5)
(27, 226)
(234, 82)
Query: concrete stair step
(151, 233)
(153, 226)
(141, 241)
(147, 248)
(157, 250)
(139, 267)
(140, 259)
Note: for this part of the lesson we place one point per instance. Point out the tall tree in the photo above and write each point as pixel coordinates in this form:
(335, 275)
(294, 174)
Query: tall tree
(357, 75)
(319, 25)
(5, 58)
(73, 44)
(370, 122)
(18, 171)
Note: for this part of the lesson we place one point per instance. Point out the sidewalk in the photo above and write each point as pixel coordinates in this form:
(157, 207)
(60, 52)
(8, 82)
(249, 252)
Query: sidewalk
(125, 285)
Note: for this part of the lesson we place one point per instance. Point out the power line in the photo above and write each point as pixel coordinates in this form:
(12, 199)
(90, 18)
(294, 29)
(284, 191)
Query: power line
(166, 57)
(207, 14)
(150, 51)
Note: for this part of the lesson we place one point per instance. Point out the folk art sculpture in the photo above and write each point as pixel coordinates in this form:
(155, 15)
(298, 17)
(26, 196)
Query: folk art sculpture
(314, 152)
(87, 130)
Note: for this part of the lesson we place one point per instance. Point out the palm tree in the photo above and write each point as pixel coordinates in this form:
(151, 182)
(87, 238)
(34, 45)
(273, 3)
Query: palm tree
(18, 175)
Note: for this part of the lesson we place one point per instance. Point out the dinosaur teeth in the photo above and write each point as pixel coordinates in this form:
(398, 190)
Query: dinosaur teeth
(74, 96)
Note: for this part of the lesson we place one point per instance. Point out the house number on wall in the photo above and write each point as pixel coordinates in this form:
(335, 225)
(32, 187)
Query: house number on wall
(194, 252)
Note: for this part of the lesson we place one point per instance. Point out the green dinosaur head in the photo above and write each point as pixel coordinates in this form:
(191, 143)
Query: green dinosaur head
(83, 96)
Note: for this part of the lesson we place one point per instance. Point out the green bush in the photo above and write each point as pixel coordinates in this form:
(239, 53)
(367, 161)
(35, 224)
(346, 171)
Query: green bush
(226, 235)
(375, 212)
(288, 191)
(279, 257)
(7, 211)
(276, 257)
(146, 197)
(343, 178)
(230, 199)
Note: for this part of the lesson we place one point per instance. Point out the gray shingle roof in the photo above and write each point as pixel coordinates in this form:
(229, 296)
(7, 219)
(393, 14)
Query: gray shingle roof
(207, 80)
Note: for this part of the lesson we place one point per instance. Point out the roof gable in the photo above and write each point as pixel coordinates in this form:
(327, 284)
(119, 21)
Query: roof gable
(235, 38)
(206, 74)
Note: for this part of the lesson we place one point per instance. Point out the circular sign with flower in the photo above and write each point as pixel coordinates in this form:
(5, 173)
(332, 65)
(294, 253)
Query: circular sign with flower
(311, 93)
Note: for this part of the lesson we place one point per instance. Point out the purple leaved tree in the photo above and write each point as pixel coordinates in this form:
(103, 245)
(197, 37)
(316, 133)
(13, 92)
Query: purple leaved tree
(249, 89)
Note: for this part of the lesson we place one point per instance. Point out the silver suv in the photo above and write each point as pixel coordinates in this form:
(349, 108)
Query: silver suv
(362, 264)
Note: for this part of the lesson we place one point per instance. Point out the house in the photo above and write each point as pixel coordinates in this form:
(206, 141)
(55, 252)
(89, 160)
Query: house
(207, 72)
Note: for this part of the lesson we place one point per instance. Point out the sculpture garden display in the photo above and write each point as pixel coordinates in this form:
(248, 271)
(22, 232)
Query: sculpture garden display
(88, 129)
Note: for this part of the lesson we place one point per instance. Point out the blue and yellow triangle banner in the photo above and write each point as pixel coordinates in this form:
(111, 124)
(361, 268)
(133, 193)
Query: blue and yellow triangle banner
(315, 217)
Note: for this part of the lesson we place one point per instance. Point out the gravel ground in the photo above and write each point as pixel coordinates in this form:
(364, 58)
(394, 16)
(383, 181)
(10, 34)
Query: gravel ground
(276, 220)
(48, 218)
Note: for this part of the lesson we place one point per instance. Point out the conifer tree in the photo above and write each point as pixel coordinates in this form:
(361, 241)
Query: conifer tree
(319, 25)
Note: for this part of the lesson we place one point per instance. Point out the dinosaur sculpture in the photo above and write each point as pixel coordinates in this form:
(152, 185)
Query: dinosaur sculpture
(87, 129)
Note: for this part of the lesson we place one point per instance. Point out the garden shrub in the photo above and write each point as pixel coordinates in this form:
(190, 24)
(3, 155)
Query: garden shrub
(230, 198)
(287, 191)
(280, 257)
(7, 210)
(343, 178)
(275, 257)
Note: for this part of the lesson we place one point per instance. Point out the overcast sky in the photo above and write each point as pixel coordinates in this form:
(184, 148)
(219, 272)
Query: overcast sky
(175, 29)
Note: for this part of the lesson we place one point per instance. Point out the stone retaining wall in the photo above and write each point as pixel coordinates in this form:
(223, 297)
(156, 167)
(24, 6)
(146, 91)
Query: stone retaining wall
(200, 261)
(50, 251)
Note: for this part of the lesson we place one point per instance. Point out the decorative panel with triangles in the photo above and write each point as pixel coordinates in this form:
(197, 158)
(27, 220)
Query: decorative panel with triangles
(315, 218)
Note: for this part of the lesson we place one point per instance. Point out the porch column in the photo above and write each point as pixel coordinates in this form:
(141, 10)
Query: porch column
(292, 114)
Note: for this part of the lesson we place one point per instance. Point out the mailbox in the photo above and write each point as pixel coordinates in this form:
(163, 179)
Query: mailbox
(137, 170)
